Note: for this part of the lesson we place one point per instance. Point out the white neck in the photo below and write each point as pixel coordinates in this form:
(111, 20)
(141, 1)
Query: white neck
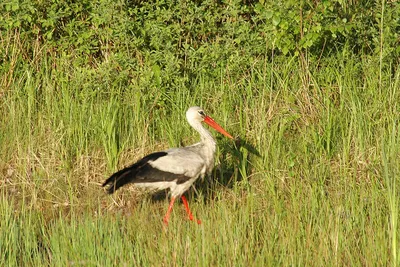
(205, 135)
(209, 144)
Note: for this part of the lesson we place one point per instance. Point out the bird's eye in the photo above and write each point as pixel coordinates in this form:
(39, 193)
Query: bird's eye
(202, 113)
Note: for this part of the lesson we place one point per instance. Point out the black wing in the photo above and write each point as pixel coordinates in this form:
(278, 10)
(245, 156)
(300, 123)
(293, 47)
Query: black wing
(142, 172)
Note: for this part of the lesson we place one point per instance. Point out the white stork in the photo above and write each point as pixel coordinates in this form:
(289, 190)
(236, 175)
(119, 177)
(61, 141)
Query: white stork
(175, 168)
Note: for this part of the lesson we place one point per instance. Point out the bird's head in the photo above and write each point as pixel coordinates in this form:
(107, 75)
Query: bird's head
(196, 115)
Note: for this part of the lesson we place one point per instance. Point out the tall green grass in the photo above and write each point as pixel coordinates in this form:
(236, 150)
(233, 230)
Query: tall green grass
(322, 192)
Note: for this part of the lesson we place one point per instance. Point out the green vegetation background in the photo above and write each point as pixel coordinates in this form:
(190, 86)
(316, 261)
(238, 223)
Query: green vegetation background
(87, 87)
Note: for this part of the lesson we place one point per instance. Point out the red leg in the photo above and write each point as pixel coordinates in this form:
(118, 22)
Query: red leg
(185, 203)
(171, 204)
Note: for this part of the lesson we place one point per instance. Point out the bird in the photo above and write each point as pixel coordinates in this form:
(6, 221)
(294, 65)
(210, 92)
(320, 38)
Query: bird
(175, 169)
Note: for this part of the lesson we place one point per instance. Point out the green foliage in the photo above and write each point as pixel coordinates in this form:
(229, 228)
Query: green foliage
(181, 34)
(329, 25)
(180, 43)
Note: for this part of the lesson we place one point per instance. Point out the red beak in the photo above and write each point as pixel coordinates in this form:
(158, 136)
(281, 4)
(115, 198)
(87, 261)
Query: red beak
(216, 126)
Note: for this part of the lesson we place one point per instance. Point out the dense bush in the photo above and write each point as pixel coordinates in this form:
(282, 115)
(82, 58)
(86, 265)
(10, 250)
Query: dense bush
(181, 39)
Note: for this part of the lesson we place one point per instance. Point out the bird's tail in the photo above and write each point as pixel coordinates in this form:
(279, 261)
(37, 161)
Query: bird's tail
(120, 178)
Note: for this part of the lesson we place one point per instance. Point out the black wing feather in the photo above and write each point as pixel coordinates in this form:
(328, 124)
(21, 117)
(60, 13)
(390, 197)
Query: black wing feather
(142, 172)
(128, 174)
(149, 174)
